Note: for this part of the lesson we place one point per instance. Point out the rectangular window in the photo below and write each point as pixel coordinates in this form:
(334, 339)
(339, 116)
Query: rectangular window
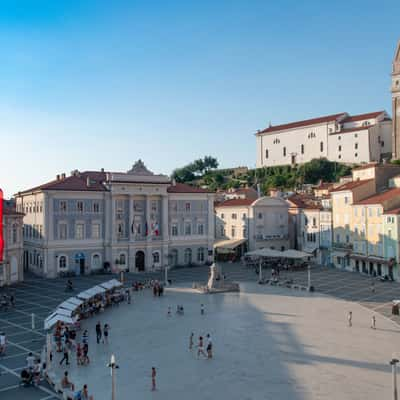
(174, 230)
(40, 231)
(119, 209)
(96, 207)
(79, 231)
(340, 148)
(233, 231)
(302, 149)
(321, 147)
(200, 229)
(284, 151)
(244, 216)
(222, 216)
(63, 206)
(62, 231)
(95, 231)
(188, 228)
(187, 206)
(79, 206)
(266, 153)
(356, 146)
(153, 206)
(370, 212)
(234, 216)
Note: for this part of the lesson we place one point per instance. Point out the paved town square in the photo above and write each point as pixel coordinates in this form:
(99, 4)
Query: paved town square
(268, 342)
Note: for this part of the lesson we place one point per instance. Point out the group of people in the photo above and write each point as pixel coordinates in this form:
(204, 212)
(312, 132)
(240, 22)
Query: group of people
(350, 320)
(200, 346)
(7, 301)
(32, 373)
(158, 289)
(82, 394)
(102, 333)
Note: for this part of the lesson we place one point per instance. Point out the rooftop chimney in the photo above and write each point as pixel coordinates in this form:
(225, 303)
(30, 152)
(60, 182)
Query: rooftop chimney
(102, 170)
(63, 175)
(58, 177)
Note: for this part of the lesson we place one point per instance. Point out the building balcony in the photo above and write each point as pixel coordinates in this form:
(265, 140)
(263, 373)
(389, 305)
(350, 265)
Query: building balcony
(343, 246)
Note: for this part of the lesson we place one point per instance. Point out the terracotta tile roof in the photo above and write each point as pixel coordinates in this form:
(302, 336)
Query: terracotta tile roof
(184, 188)
(75, 183)
(380, 197)
(361, 117)
(394, 211)
(348, 130)
(306, 122)
(236, 202)
(305, 202)
(351, 185)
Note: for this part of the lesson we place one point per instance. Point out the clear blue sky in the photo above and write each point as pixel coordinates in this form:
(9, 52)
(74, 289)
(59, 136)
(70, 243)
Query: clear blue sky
(91, 83)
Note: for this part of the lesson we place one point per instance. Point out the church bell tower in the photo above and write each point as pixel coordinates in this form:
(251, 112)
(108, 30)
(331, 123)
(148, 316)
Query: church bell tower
(396, 103)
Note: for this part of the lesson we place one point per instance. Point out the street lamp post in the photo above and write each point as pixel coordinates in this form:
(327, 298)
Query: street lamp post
(393, 363)
(113, 366)
(260, 271)
(169, 262)
(309, 276)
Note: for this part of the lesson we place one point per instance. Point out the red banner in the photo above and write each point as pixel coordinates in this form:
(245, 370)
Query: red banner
(1, 227)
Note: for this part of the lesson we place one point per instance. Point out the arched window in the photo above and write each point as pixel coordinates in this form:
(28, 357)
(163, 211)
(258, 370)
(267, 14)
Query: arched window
(122, 259)
(200, 255)
(302, 149)
(284, 151)
(188, 256)
(321, 146)
(96, 261)
(62, 262)
(156, 257)
(266, 153)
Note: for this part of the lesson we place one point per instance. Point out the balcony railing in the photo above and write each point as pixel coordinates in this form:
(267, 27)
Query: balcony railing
(340, 245)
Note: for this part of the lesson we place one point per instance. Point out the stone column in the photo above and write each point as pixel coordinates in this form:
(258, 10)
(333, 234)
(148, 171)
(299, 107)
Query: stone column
(165, 229)
(148, 222)
(211, 225)
(131, 236)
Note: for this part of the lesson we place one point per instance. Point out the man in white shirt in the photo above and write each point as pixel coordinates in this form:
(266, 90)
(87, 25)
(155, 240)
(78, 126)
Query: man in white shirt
(30, 362)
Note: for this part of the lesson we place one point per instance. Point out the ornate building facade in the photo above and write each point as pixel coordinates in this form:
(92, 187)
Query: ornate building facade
(136, 221)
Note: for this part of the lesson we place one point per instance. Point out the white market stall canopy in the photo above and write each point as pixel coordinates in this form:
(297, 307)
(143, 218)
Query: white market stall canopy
(65, 312)
(51, 320)
(227, 246)
(265, 253)
(291, 253)
(113, 283)
(74, 300)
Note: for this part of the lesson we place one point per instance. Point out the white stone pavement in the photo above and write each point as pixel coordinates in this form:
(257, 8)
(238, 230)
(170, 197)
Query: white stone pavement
(269, 343)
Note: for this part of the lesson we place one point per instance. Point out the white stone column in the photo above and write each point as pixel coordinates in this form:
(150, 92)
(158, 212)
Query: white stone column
(148, 222)
(131, 237)
(211, 224)
(165, 229)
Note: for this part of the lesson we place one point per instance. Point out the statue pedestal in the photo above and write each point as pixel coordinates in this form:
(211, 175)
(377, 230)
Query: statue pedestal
(216, 283)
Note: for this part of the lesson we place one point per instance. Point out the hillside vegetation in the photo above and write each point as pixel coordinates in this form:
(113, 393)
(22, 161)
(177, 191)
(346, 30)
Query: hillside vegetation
(204, 173)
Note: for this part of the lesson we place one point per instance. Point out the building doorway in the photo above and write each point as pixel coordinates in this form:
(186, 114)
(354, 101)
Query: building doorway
(371, 268)
(357, 266)
(139, 261)
(82, 266)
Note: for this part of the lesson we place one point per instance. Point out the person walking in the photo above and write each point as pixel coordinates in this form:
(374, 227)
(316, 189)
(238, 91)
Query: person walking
(169, 312)
(85, 337)
(209, 346)
(66, 355)
(202, 309)
(3, 340)
(191, 341)
(98, 332)
(200, 348)
(30, 362)
(373, 287)
(350, 319)
(106, 331)
(373, 322)
(153, 379)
